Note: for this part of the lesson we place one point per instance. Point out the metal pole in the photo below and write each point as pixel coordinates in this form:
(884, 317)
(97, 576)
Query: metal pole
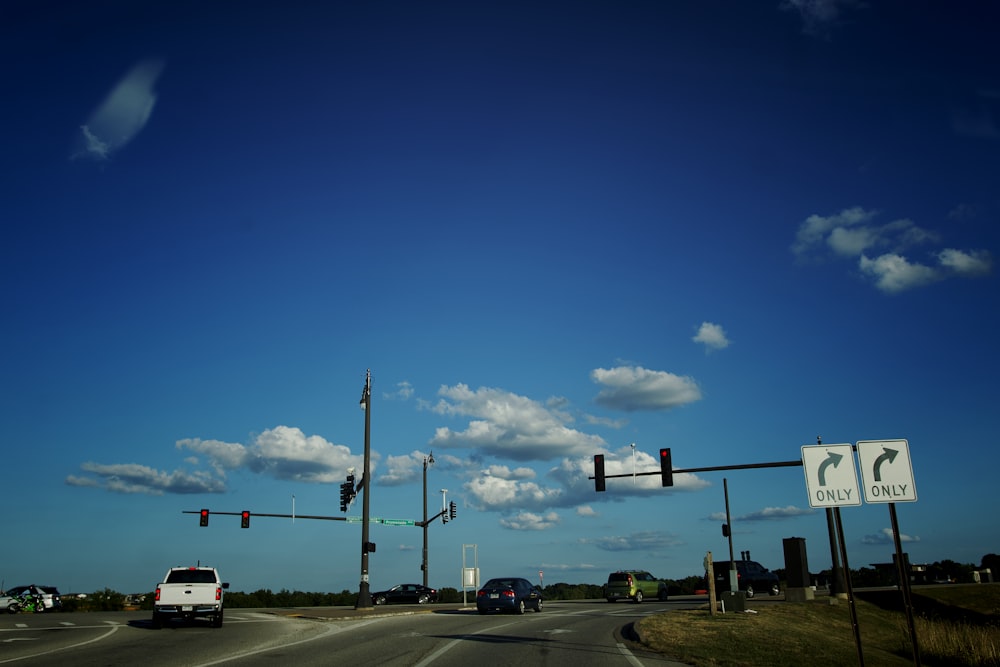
(733, 579)
(365, 595)
(849, 587)
(423, 565)
(836, 585)
(904, 582)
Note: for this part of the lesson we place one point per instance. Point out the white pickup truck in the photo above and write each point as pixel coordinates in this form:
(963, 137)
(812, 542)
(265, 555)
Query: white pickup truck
(189, 592)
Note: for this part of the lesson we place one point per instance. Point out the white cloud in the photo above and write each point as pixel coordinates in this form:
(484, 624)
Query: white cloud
(509, 426)
(123, 114)
(284, 452)
(530, 521)
(975, 263)
(586, 510)
(894, 273)
(880, 250)
(404, 390)
(712, 336)
(488, 492)
(632, 388)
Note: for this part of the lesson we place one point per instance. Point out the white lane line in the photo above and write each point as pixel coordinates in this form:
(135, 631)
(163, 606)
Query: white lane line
(628, 655)
(447, 647)
(332, 630)
(65, 648)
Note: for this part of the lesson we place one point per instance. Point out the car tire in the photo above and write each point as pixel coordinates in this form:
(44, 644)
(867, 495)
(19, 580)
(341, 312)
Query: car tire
(157, 622)
(638, 597)
(775, 590)
(519, 609)
(217, 620)
(749, 590)
(663, 595)
(538, 606)
(379, 599)
(423, 599)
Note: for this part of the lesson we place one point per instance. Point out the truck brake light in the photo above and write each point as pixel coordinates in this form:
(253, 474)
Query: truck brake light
(157, 598)
(218, 593)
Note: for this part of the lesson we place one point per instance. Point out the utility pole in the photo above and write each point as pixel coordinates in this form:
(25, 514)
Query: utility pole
(364, 594)
(428, 460)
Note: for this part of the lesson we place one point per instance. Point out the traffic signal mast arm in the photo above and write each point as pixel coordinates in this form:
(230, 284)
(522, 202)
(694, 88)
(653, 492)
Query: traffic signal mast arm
(599, 478)
(279, 516)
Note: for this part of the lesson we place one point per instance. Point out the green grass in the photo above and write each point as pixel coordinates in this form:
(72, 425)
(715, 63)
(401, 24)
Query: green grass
(955, 626)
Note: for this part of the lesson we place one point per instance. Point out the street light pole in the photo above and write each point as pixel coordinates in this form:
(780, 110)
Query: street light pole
(365, 595)
(428, 460)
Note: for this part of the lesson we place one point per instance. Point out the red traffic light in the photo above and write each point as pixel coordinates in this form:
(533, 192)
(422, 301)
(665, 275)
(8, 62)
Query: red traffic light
(245, 519)
(666, 468)
(203, 521)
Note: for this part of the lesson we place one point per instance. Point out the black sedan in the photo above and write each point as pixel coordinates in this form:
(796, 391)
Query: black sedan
(509, 594)
(406, 593)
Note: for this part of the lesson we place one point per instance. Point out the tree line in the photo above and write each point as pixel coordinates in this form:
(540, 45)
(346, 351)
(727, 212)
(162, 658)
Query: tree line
(109, 600)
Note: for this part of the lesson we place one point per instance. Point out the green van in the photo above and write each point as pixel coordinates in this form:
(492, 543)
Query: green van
(634, 585)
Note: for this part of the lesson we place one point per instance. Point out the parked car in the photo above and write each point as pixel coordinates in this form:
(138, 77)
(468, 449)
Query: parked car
(751, 577)
(51, 598)
(406, 593)
(634, 585)
(508, 594)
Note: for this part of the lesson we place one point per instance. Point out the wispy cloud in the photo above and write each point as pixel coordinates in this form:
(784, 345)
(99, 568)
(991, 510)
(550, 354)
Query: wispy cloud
(650, 541)
(632, 388)
(885, 537)
(881, 250)
(136, 478)
(767, 514)
(122, 115)
(712, 336)
(818, 16)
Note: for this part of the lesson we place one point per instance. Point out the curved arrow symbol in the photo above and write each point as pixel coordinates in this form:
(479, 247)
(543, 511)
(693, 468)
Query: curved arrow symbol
(887, 455)
(833, 459)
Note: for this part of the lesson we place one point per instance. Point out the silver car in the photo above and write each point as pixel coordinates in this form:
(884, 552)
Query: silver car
(49, 594)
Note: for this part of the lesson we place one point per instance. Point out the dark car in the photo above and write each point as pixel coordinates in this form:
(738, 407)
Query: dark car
(751, 577)
(406, 593)
(508, 594)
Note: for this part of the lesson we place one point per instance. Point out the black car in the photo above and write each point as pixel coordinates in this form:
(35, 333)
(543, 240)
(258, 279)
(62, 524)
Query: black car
(751, 577)
(511, 594)
(406, 593)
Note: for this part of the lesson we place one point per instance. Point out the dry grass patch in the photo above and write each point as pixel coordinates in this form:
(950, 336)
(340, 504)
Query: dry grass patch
(780, 634)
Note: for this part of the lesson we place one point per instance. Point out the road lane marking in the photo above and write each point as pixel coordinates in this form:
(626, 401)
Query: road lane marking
(107, 634)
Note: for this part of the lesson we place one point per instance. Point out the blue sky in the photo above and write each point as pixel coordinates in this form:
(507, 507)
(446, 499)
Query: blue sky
(550, 230)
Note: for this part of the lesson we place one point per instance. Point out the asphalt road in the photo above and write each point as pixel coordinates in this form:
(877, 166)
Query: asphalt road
(564, 634)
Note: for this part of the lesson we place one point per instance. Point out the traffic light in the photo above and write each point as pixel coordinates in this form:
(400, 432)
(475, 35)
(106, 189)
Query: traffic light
(244, 519)
(599, 473)
(452, 510)
(666, 468)
(346, 495)
(204, 518)
(725, 530)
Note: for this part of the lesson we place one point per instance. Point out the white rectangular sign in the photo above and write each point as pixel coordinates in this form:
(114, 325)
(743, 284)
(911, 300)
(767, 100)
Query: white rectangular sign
(831, 479)
(886, 471)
